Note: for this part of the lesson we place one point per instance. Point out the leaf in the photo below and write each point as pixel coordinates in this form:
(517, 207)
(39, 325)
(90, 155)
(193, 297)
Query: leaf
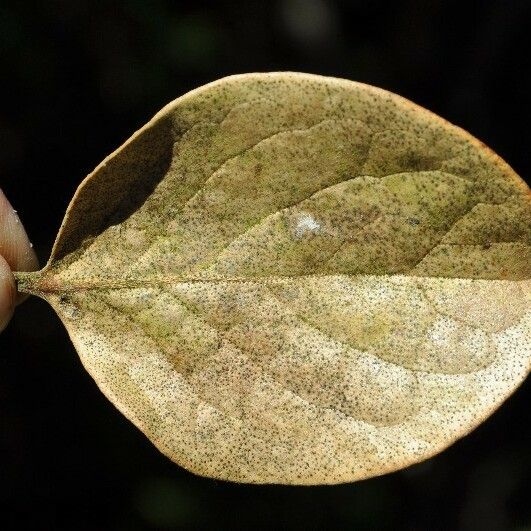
(287, 278)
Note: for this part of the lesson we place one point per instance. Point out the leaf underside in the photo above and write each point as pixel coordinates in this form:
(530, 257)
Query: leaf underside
(286, 278)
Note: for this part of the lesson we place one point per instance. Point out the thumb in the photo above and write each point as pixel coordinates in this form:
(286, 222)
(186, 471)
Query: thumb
(8, 293)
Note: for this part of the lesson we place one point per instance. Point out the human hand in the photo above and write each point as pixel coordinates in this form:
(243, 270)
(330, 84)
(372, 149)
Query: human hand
(16, 254)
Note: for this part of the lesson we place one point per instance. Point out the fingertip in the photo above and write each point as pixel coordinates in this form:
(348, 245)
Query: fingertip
(15, 246)
(8, 293)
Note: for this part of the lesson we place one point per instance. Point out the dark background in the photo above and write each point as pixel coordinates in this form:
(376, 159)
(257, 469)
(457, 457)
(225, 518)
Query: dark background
(77, 79)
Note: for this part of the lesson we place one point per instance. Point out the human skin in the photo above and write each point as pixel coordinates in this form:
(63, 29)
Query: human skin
(16, 254)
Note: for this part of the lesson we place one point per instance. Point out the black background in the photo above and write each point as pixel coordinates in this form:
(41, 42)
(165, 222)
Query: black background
(77, 79)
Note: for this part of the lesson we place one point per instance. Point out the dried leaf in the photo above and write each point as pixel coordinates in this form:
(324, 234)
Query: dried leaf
(286, 278)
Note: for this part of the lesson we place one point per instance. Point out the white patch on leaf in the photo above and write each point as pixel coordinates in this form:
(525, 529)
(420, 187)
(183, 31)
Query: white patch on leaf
(304, 224)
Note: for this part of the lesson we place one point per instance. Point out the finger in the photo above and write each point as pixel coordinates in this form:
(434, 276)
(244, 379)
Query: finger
(8, 293)
(15, 246)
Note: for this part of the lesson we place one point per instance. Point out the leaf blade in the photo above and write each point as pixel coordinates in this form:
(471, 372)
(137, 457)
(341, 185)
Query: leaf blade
(293, 296)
